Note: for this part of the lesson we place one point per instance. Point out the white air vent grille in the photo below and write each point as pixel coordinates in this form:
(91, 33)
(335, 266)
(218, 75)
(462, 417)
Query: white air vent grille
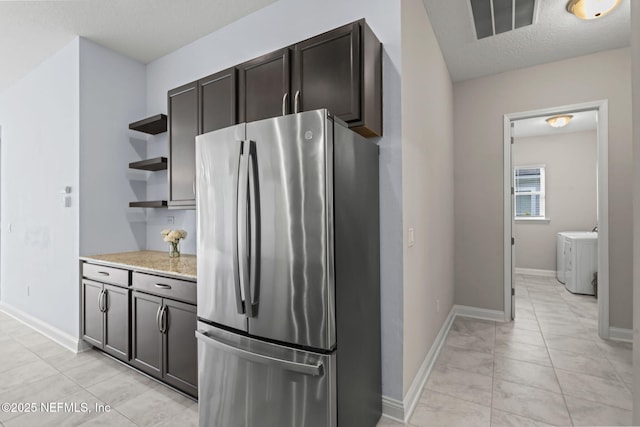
(493, 17)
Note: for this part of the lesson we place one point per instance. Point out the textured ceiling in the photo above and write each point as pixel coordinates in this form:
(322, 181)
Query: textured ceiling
(31, 31)
(554, 35)
(537, 126)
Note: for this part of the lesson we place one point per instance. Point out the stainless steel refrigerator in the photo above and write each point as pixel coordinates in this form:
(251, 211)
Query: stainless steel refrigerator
(288, 274)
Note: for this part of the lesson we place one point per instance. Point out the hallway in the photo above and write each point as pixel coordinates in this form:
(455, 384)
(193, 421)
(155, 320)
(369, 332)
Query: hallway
(548, 367)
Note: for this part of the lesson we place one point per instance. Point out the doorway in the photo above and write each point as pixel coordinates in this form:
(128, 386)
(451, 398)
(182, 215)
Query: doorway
(601, 110)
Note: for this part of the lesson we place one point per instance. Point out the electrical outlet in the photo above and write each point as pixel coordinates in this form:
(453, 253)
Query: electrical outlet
(171, 220)
(437, 306)
(411, 237)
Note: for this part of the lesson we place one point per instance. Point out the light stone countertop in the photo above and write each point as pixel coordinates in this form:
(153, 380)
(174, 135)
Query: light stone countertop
(183, 267)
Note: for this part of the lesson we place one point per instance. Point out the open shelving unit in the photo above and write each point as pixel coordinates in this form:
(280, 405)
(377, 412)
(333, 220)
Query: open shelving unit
(149, 204)
(155, 164)
(153, 125)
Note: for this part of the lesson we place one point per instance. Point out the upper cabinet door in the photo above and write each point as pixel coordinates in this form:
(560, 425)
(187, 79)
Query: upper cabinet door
(264, 86)
(183, 128)
(218, 101)
(327, 73)
(341, 70)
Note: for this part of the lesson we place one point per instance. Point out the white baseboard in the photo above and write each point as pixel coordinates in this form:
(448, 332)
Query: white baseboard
(393, 409)
(478, 313)
(620, 334)
(536, 272)
(402, 410)
(64, 339)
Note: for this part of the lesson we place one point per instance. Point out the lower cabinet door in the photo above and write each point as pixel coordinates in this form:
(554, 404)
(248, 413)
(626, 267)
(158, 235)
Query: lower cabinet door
(180, 367)
(116, 325)
(92, 317)
(146, 336)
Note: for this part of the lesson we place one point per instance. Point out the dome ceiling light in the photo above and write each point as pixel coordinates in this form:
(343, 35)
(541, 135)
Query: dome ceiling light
(559, 121)
(591, 9)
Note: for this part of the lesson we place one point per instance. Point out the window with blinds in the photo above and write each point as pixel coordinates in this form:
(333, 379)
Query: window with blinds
(529, 188)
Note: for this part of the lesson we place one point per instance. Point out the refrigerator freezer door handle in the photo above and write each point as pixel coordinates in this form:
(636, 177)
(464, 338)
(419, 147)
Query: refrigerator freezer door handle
(301, 368)
(242, 223)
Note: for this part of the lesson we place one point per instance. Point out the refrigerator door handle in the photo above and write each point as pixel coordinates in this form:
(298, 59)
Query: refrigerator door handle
(252, 292)
(242, 227)
(301, 368)
(236, 235)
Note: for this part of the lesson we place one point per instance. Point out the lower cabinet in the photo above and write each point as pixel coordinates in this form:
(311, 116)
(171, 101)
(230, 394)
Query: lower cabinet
(146, 320)
(105, 317)
(163, 342)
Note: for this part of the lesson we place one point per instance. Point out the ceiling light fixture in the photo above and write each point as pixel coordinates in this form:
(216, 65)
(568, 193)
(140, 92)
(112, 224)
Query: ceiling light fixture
(559, 121)
(591, 9)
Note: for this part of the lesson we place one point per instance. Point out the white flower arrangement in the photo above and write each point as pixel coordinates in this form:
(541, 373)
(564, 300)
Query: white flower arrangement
(173, 236)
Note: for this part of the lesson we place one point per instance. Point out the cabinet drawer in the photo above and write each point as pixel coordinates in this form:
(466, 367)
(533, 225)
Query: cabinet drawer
(105, 274)
(181, 290)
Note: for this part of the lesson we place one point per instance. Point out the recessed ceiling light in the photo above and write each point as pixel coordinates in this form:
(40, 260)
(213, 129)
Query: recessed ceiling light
(559, 121)
(591, 9)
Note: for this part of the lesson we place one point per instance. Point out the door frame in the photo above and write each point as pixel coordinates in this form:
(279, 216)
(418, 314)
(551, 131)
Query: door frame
(602, 169)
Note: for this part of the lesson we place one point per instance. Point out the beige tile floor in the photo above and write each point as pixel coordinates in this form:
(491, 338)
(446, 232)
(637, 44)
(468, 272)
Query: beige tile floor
(548, 367)
(34, 369)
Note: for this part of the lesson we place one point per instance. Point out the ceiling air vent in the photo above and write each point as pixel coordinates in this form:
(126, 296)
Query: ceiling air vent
(493, 17)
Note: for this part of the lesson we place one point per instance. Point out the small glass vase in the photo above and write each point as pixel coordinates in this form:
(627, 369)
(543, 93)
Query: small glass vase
(174, 249)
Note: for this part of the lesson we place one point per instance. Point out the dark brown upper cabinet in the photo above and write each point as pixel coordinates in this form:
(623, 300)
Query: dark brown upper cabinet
(326, 73)
(196, 108)
(182, 106)
(264, 85)
(341, 70)
(217, 99)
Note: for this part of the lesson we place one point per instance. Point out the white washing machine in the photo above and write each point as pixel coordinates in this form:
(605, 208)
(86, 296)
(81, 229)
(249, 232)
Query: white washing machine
(577, 260)
(561, 254)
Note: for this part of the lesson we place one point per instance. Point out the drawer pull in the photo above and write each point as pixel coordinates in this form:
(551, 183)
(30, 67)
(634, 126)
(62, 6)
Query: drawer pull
(162, 286)
(104, 273)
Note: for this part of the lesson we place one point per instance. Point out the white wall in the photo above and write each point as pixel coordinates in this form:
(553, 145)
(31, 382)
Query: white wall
(40, 152)
(570, 194)
(635, 72)
(427, 183)
(112, 94)
(282, 23)
(66, 124)
(479, 106)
